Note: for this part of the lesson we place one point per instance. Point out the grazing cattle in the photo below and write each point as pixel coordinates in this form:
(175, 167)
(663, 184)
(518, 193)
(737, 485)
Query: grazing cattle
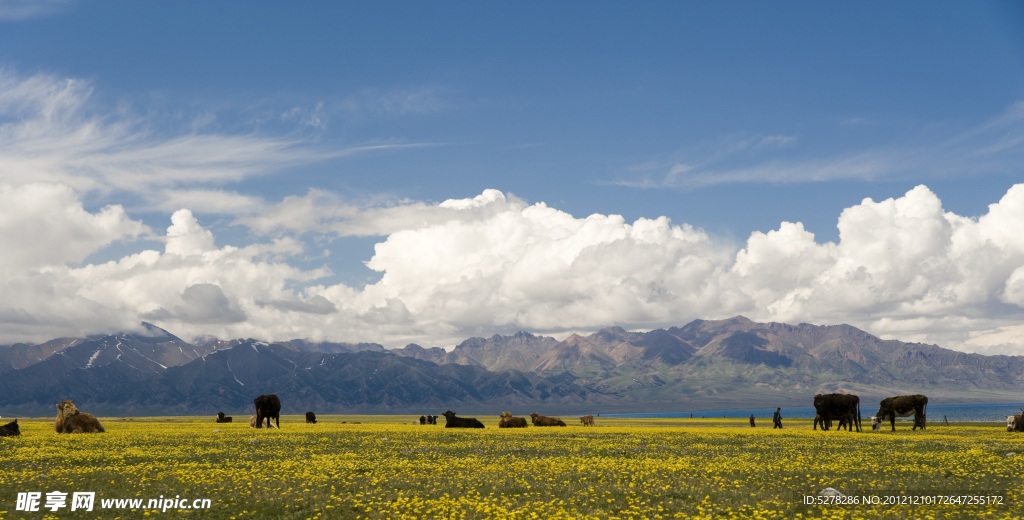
(423, 420)
(74, 421)
(431, 419)
(540, 420)
(10, 429)
(252, 422)
(587, 420)
(310, 418)
(1015, 423)
(223, 418)
(267, 407)
(903, 406)
(826, 423)
(838, 406)
(451, 421)
(844, 423)
(818, 419)
(507, 421)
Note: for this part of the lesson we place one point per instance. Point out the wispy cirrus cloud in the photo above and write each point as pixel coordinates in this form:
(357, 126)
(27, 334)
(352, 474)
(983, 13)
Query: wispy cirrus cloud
(50, 131)
(994, 147)
(394, 101)
(15, 10)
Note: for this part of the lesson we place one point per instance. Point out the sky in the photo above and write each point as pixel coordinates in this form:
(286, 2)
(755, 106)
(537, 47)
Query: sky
(424, 172)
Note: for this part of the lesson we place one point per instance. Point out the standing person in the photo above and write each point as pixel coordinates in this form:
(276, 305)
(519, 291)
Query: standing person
(751, 420)
(777, 418)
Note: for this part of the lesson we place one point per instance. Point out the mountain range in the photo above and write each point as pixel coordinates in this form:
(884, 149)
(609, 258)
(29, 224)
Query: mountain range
(703, 365)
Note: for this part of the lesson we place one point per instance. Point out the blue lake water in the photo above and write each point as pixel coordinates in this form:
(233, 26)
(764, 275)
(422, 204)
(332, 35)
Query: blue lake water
(953, 412)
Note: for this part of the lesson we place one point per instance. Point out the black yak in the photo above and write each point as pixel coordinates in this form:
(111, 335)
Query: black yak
(838, 406)
(310, 418)
(460, 422)
(10, 429)
(223, 418)
(267, 407)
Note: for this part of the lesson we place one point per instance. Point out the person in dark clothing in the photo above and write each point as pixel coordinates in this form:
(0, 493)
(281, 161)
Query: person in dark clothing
(777, 418)
(751, 420)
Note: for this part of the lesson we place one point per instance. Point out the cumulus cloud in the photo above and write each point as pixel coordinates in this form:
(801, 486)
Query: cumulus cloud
(201, 303)
(903, 268)
(46, 224)
(313, 305)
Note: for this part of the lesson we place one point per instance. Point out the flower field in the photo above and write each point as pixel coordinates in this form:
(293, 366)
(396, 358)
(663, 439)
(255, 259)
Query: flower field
(388, 468)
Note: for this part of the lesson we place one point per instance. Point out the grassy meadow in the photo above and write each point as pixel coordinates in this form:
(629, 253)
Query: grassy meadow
(622, 468)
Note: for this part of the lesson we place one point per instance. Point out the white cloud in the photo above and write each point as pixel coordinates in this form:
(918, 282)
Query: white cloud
(49, 133)
(201, 303)
(996, 146)
(323, 212)
(315, 117)
(25, 9)
(45, 224)
(396, 101)
(903, 268)
(186, 237)
(208, 201)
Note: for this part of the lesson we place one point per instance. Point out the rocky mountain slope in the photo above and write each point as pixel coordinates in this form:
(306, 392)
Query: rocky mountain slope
(702, 365)
(228, 380)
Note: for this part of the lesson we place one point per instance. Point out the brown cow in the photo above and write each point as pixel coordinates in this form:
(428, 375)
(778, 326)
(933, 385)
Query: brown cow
(540, 420)
(587, 420)
(903, 406)
(252, 422)
(75, 421)
(58, 424)
(1015, 423)
(507, 421)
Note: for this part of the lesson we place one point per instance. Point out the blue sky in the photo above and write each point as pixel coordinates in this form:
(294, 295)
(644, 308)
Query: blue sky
(729, 117)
